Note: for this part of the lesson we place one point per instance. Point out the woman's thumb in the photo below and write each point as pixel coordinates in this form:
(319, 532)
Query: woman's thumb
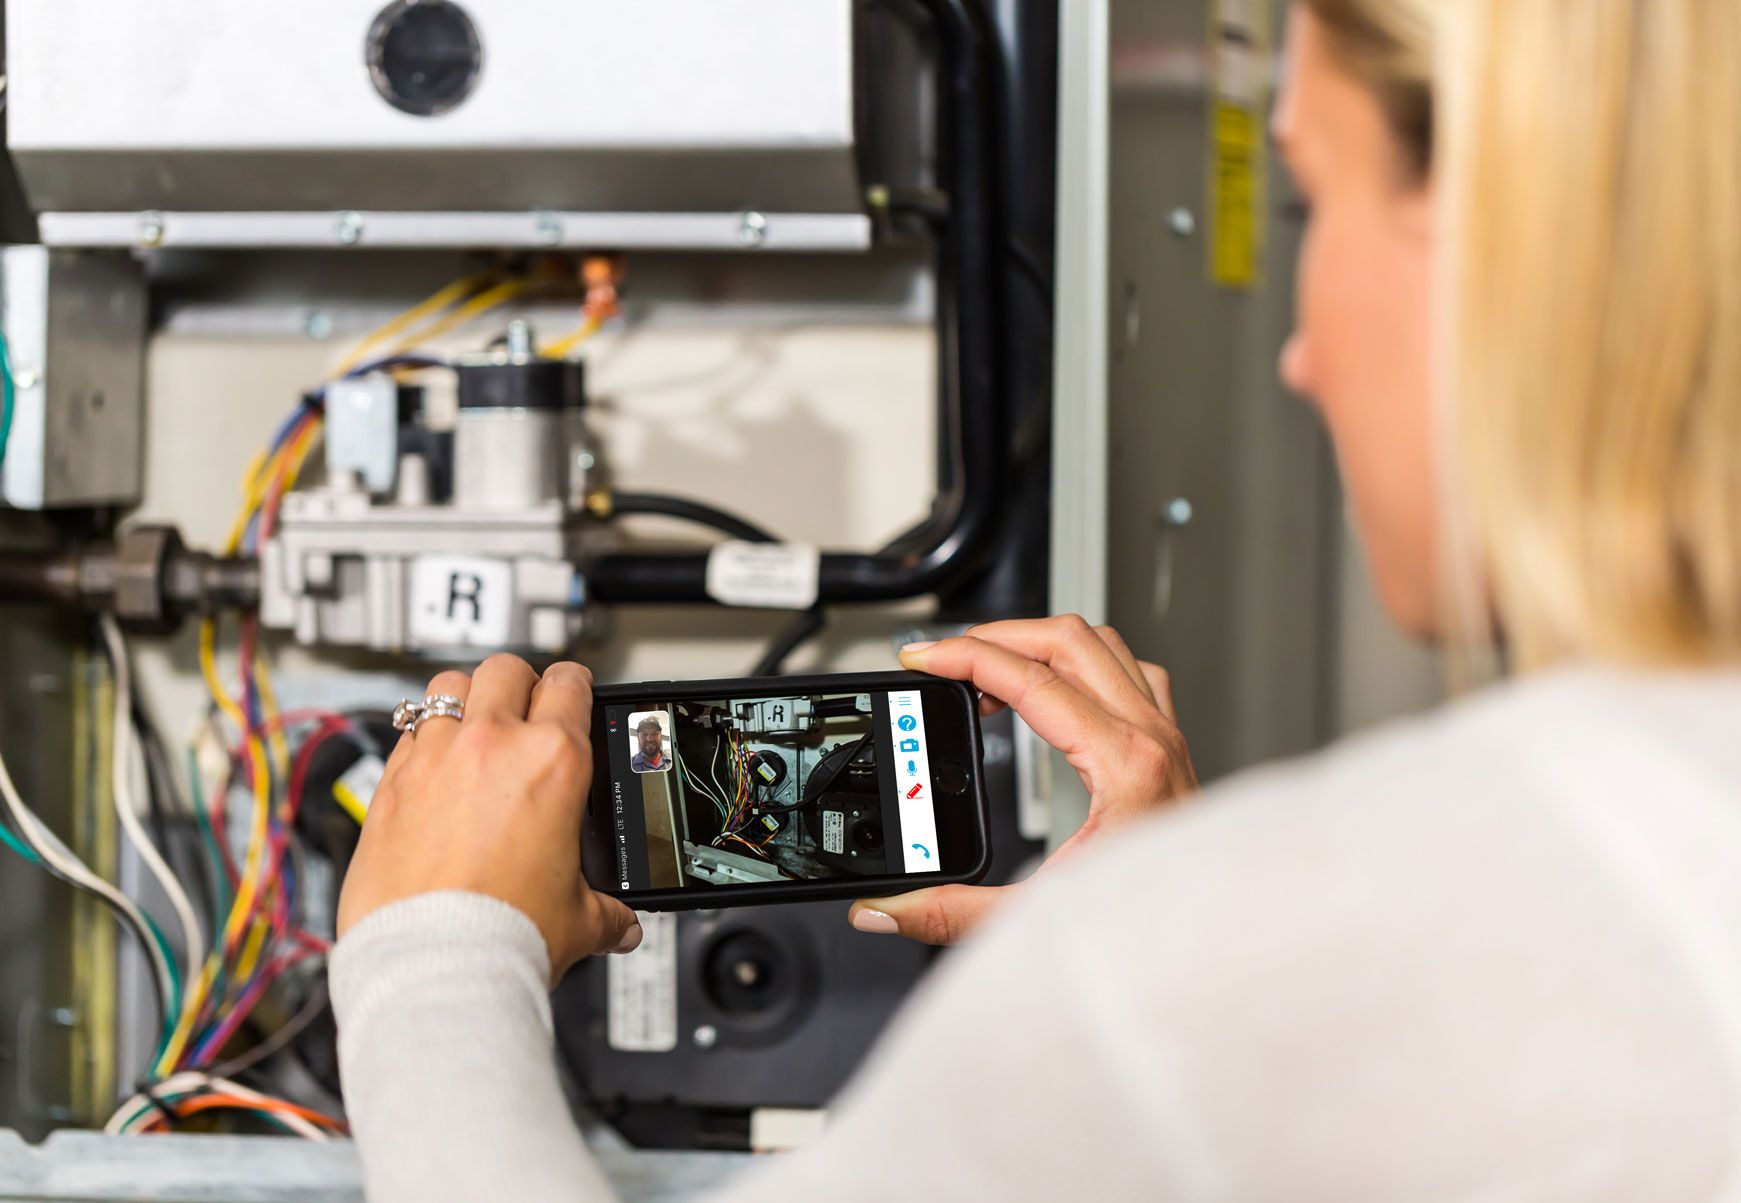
(939, 915)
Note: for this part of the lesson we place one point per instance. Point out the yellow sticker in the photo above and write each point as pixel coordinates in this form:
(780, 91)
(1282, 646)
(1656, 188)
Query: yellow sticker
(1240, 51)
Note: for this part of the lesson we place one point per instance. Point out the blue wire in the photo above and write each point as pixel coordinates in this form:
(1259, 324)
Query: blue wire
(8, 398)
(12, 842)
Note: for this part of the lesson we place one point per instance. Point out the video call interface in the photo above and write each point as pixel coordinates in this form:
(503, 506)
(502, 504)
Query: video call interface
(749, 791)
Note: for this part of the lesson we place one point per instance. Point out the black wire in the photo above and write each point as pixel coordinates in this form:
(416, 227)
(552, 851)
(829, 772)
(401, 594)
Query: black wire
(148, 1089)
(281, 1038)
(812, 792)
(690, 511)
(805, 625)
(164, 799)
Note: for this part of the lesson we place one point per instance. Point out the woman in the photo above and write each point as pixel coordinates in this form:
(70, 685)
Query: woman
(1492, 954)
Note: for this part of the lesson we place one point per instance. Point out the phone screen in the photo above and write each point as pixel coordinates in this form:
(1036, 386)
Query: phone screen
(760, 789)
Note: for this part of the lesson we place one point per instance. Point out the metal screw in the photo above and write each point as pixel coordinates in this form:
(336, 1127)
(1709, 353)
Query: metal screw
(1178, 512)
(26, 378)
(519, 340)
(150, 231)
(547, 227)
(752, 228)
(317, 324)
(706, 1036)
(1182, 222)
(63, 1017)
(350, 227)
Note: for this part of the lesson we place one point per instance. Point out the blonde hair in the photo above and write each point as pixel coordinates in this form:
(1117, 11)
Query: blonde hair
(1586, 159)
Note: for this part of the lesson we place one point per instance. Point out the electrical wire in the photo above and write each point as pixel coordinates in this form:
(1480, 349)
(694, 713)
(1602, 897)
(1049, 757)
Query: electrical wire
(813, 791)
(690, 511)
(804, 626)
(282, 1037)
(127, 809)
(562, 347)
(476, 307)
(8, 398)
(64, 865)
(185, 1094)
(437, 301)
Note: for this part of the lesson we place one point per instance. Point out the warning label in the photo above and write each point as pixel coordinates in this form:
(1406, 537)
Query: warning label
(642, 987)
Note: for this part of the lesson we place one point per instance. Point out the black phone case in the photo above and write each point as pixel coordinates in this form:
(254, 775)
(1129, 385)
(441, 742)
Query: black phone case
(692, 898)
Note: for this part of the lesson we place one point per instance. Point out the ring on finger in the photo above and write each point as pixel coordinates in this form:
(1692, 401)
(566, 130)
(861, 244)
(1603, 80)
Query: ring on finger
(408, 715)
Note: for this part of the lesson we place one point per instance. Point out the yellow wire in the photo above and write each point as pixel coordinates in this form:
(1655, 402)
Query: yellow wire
(255, 473)
(428, 307)
(478, 305)
(292, 456)
(251, 949)
(244, 902)
(257, 480)
(562, 346)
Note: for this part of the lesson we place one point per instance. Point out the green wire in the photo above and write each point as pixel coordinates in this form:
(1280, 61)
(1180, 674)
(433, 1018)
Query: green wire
(172, 1013)
(7, 399)
(214, 851)
(11, 841)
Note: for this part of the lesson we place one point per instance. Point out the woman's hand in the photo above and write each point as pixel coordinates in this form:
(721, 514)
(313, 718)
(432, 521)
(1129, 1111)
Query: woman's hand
(493, 804)
(1082, 691)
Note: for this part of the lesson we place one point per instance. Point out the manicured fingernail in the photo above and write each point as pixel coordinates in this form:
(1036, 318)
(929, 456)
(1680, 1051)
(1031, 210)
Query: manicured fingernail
(913, 649)
(876, 922)
(631, 939)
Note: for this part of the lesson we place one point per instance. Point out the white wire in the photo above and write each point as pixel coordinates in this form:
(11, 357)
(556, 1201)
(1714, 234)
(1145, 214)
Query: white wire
(713, 770)
(128, 1113)
(696, 784)
(49, 847)
(126, 807)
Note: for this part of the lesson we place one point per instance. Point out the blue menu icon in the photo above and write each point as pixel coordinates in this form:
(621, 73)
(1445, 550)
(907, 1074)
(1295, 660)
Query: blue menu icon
(912, 768)
(907, 722)
(909, 745)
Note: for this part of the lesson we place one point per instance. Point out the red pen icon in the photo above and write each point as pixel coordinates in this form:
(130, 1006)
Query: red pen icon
(916, 790)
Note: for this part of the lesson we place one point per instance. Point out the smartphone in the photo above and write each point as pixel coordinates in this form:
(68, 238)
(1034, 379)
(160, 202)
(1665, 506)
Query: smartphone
(784, 789)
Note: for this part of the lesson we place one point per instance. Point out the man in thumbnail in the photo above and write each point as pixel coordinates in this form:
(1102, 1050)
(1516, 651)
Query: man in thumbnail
(651, 758)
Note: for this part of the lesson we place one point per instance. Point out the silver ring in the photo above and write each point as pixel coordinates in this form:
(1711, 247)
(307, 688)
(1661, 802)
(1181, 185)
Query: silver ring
(408, 714)
(440, 710)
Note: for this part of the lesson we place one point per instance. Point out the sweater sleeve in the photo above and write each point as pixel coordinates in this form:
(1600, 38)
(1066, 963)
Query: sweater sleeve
(445, 1044)
(445, 1048)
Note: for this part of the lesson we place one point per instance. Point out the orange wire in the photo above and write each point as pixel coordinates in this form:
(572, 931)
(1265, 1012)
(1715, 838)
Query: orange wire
(212, 1102)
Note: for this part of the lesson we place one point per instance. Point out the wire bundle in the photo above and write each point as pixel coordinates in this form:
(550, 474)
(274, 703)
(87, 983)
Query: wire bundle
(186, 1094)
(734, 798)
(250, 938)
(257, 940)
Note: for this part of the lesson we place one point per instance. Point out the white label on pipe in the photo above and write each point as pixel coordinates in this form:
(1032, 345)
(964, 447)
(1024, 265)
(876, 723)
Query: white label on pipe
(773, 576)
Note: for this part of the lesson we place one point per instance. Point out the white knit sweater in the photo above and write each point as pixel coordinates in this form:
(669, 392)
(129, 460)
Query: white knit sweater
(1491, 955)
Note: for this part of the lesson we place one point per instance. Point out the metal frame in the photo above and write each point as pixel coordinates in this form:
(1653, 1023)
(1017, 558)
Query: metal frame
(745, 230)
